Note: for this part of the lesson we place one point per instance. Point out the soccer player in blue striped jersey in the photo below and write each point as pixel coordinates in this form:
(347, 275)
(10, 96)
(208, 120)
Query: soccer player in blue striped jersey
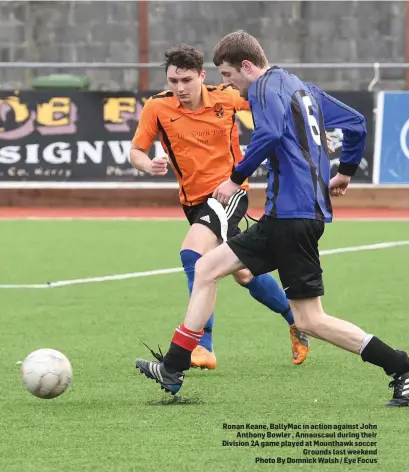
(290, 134)
(290, 118)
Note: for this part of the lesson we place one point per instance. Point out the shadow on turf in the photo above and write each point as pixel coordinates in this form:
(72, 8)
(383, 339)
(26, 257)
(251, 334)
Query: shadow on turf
(177, 400)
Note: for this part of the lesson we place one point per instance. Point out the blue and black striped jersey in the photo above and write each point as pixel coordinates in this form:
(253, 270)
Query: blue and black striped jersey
(290, 118)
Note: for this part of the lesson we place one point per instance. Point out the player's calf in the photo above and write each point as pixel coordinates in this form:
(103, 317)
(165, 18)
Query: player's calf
(310, 317)
(266, 290)
(189, 259)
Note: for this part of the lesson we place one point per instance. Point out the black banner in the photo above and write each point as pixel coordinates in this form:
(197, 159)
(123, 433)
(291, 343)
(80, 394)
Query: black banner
(364, 103)
(86, 136)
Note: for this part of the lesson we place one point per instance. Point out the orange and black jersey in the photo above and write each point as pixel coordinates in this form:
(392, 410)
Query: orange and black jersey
(202, 145)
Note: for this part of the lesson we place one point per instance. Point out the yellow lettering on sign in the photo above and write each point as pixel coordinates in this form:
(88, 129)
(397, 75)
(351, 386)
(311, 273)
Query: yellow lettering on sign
(20, 110)
(49, 114)
(114, 107)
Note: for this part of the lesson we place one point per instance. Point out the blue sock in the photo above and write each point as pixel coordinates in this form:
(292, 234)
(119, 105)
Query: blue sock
(189, 259)
(265, 289)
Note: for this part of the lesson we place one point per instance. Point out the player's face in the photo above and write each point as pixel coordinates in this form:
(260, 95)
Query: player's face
(238, 79)
(186, 84)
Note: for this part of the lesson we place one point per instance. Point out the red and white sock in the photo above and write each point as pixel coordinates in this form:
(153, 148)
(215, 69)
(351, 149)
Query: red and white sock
(187, 338)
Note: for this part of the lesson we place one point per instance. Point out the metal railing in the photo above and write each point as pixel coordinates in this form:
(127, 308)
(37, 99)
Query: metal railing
(376, 67)
(206, 65)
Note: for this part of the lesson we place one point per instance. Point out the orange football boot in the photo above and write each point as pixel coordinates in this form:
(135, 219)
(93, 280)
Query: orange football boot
(203, 358)
(300, 345)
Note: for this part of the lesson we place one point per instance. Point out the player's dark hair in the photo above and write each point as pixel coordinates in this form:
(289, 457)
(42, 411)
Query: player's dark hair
(237, 47)
(184, 57)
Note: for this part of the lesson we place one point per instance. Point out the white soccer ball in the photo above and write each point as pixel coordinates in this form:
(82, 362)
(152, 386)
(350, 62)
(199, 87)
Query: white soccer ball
(46, 373)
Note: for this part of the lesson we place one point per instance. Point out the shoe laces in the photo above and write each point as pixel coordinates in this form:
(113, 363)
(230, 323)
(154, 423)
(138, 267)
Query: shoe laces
(397, 385)
(157, 355)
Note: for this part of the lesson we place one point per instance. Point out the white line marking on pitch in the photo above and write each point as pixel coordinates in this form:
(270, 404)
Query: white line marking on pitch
(135, 275)
(91, 280)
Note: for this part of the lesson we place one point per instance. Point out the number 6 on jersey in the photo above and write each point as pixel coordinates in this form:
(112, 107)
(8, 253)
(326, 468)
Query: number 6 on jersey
(312, 121)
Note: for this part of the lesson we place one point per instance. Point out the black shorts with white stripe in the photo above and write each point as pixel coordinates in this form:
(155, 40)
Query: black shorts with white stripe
(224, 222)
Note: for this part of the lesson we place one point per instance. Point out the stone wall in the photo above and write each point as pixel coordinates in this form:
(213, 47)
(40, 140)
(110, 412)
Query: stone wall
(289, 31)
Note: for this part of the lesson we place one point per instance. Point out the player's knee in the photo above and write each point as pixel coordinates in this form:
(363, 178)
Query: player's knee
(243, 277)
(204, 272)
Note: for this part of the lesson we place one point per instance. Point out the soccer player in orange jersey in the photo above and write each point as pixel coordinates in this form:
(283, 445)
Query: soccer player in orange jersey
(196, 126)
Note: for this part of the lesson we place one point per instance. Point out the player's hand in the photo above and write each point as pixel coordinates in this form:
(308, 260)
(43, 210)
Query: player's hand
(329, 141)
(159, 166)
(338, 185)
(224, 192)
